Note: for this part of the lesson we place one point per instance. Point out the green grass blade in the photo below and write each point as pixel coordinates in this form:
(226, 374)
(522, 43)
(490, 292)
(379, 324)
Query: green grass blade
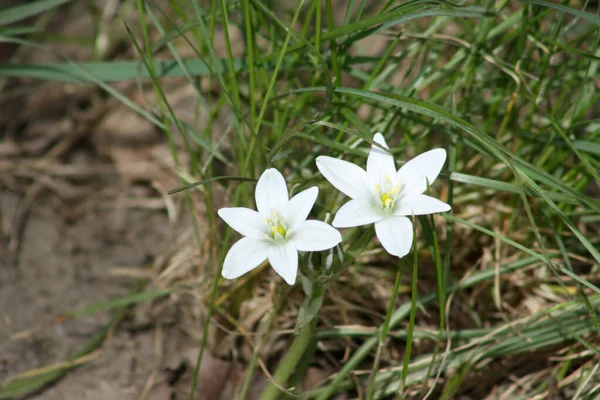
(119, 302)
(584, 282)
(210, 180)
(18, 30)
(402, 312)
(110, 71)
(589, 17)
(19, 13)
(413, 308)
(386, 326)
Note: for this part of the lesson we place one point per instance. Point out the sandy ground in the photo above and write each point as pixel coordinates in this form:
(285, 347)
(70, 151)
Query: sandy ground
(62, 267)
(60, 254)
(84, 215)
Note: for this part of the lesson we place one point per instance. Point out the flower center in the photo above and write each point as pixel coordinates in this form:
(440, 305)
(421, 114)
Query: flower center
(386, 200)
(388, 193)
(277, 228)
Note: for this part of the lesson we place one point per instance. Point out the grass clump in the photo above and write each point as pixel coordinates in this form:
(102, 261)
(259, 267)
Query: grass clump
(499, 296)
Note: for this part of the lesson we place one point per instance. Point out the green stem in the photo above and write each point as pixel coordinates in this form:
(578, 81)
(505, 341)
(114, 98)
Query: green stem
(291, 360)
(384, 331)
(413, 313)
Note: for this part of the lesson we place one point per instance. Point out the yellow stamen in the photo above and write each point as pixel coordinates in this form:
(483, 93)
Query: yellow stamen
(388, 194)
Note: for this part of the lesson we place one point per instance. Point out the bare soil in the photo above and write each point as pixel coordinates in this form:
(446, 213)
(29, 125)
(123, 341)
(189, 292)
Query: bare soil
(84, 216)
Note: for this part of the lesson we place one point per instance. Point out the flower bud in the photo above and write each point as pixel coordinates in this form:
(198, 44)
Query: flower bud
(323, 266)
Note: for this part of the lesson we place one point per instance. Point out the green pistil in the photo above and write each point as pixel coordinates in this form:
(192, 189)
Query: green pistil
(278, 229)
(386, 200)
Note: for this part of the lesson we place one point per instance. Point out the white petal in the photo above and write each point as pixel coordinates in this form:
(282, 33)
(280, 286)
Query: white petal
(316, 236)
(271, 192)
(245, 255)
(380, 163)
(424, 168)
(245, 221)
(395, 235)
(420, 204)
(284, 260)
(356, 213)
(297, 209)
(348, 178)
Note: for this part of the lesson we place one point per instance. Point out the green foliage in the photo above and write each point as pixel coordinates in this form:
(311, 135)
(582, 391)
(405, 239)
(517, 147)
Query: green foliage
(509, 90)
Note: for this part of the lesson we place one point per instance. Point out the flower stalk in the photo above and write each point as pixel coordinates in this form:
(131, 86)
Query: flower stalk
(296, 352)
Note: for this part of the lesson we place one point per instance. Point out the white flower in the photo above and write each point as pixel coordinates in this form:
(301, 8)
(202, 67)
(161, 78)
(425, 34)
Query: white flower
(277, 231)
(384, 196)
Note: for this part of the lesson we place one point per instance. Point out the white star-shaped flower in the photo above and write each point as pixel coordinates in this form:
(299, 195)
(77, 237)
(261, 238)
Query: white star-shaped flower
(384, 196)
(277, 231)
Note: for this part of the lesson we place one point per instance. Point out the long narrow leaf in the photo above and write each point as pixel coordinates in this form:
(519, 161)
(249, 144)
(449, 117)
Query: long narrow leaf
(19, 13)
(589, 17)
